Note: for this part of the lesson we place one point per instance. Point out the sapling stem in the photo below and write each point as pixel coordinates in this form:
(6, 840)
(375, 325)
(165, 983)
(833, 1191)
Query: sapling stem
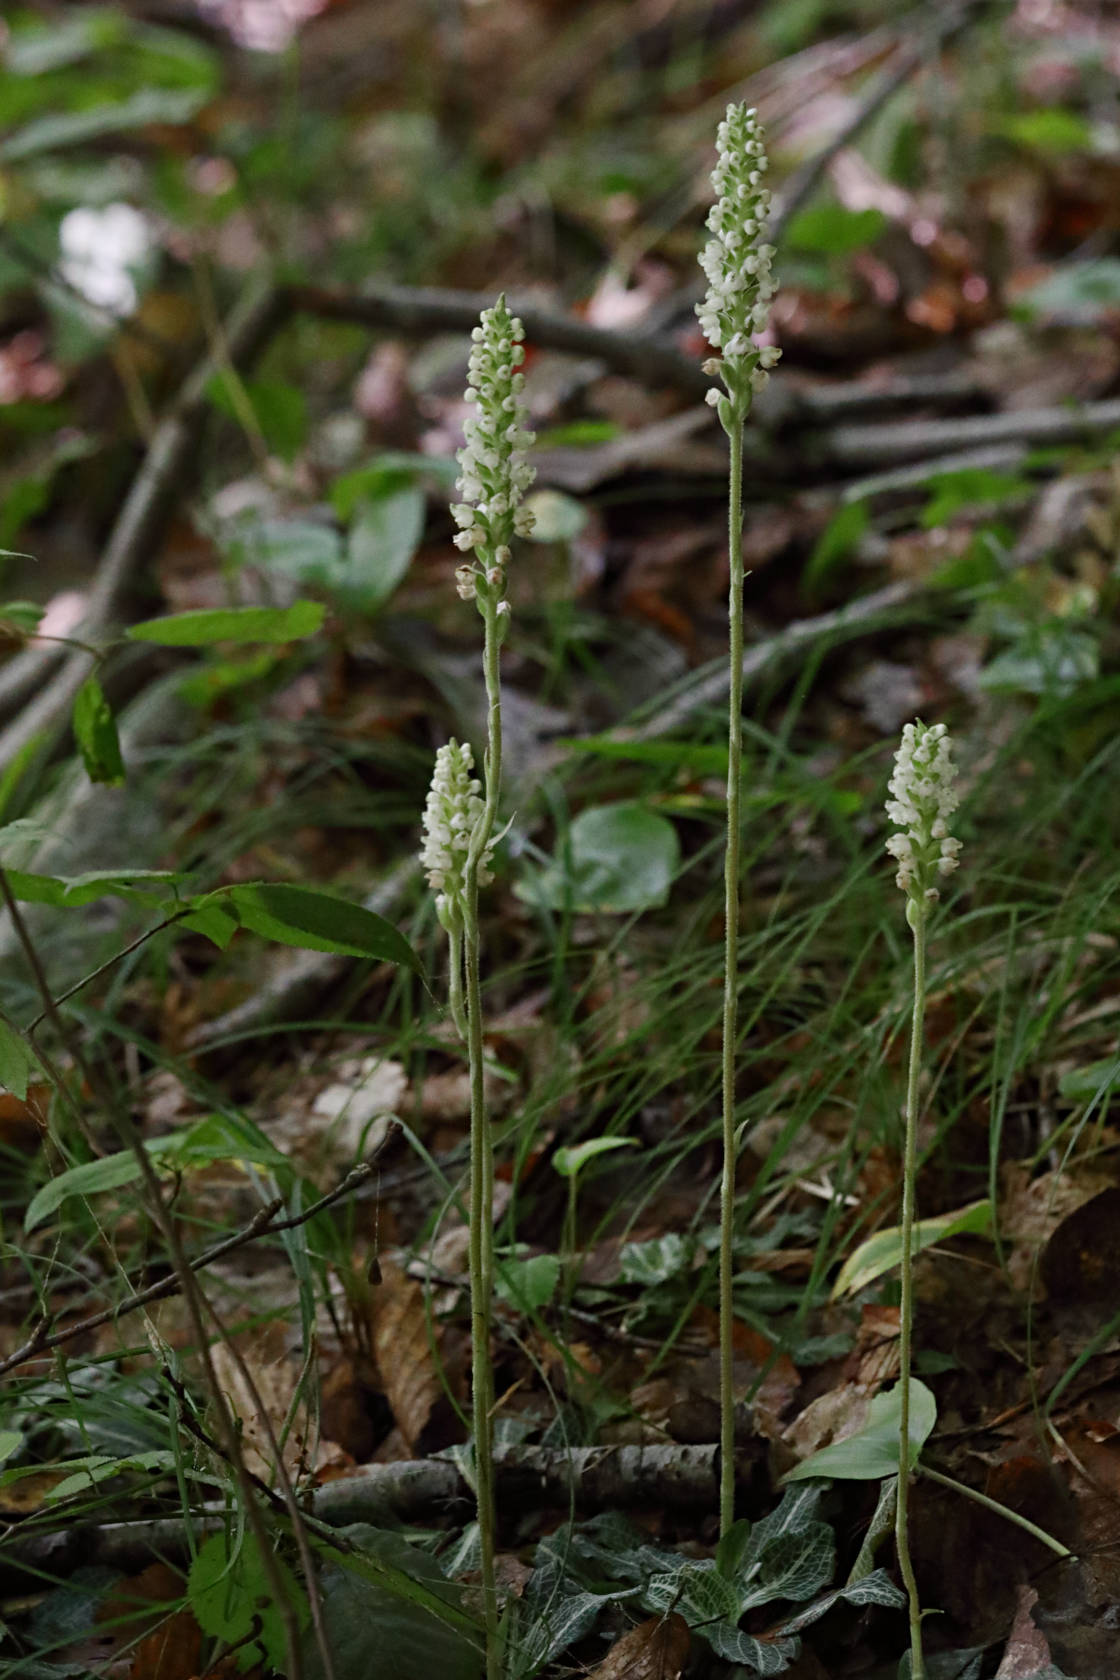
(459, 822)
(924, 798)
(736, 261)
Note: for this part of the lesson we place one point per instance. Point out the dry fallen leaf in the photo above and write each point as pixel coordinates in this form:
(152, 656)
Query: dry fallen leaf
(402, 1343)
(654, 1650)
(1027, 1656)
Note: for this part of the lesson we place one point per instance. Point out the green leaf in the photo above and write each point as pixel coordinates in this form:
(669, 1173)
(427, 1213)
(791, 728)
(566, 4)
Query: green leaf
(89, 1473)
(10, 1441)
(300, 548)
(696, 1589)
(546, 1631)
(17, 1061)
(95, 731)
(318, 921)
(219, 1137)
(883, 1252)
(619, 858)
(758, 1656)
(872, 1453)
(1095, 1080)
(233, 1600)
(25, 616)
(571, 1160)
(383, 539)
(657, 1260)
(1055, 661)
(831, 230)
(68, 892)
(73, 128)
(556, 518)
(528, 1285)
(791, 1566)
(1055, 129)
(208, 625)
(1078, 293)
(838, 539)
(280, 410)
(969, 487)
(876, 1588)
(36, 49)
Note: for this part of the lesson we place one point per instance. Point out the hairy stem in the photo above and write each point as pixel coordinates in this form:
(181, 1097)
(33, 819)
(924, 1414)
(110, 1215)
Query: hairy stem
(481, 1252)
(731, 979)
(906, 1312)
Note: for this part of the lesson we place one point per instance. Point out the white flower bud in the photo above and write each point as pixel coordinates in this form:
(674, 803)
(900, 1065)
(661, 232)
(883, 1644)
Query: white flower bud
(736, 260)
(495, 474)
(453, 807)
(923, 787)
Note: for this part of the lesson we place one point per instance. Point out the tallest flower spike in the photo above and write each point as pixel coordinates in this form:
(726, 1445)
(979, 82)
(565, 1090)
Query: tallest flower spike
(736, 261)
(494, 473)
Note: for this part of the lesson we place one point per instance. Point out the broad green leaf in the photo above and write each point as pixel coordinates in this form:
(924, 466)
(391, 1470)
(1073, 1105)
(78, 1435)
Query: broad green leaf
(832, 231)
(300, 548)
(1076, 292)
(547, 1631)
(213, 922)
(883, 1252)
(1095, 1080)
(392, 470)
(618, 858)
(969, 487)
(73, 128)
(1053, 129)
(528, 1284)
(838, 539)
(1054, 660)
(208, 682)
(317, 921)
(279, 408)
(92, 1178)
(38, 48)
(571, 1160)
(17, 1061)
(22, 615)
(796, 1514)
(557, 518)
(383, 539)
(872, 1453)
(232, 624)
(10, 1441)
(95, 731)
(429, 1608)
(234, 1601)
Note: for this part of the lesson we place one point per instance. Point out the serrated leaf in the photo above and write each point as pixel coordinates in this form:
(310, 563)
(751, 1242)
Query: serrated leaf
(872, 1453)
(207, 625)
(95, 731)
(17, 1061)
(571, 1160)
(883, 1251)
(318, 921)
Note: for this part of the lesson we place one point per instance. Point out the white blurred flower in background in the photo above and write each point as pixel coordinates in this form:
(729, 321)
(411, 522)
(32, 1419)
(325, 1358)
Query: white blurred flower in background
(100, 253)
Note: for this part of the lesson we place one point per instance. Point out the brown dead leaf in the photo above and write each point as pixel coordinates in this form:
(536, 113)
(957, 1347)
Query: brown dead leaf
(22, 1123)
(269, 1371)
(172, 1649)
(1027, 1656)
(656, 1649)
(403, 1341)
(1080, 1262)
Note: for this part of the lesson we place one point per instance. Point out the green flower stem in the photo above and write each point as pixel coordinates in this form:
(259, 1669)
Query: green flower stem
(994, 1505)
(455, 982)
(917, 919)
(731, 977)
(481, 1235)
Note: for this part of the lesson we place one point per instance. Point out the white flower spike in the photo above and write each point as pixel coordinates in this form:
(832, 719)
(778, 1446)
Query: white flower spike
(494, 472)
(737, 262)
(453, 808)
(924, 798)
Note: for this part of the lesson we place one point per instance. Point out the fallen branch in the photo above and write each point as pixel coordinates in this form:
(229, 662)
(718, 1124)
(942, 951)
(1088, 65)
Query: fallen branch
(681, 1478)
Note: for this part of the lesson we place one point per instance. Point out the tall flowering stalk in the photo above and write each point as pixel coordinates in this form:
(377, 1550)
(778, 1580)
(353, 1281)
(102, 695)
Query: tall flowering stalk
(459, 824)
(736, 261)
(924, 798)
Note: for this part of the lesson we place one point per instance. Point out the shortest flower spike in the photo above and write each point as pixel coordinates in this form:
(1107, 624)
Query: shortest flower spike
(924, 798)
(453, 808)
